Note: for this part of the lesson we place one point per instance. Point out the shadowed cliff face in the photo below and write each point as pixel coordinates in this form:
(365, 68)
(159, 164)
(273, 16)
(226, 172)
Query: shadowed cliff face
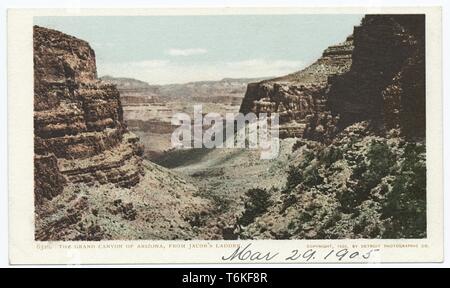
(359, 167)
(377, 74)
(78, 121)
(386, 83)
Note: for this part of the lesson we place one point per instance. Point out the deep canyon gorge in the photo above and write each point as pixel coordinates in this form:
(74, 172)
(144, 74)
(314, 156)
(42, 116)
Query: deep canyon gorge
(352, 150)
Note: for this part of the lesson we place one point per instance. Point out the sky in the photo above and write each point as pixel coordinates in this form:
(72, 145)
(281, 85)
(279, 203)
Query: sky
(180, 49)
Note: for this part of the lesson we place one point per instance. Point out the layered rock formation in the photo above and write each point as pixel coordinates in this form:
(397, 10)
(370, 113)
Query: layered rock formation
(300, 97)
(148, 109)
(79, 131)
(386, 83)
(227, 91)
(377, 74)
(134, 92)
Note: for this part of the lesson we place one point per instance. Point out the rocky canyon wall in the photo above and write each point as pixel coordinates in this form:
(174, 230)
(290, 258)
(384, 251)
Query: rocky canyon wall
(377, 74)
(79, 132)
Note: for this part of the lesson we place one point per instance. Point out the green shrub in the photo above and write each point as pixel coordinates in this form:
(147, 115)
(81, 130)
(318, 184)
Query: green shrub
(381, 161)
(311, 176)
(330, 155)
(381, 193)
(257, 203)
(294, 178)
(405, 204)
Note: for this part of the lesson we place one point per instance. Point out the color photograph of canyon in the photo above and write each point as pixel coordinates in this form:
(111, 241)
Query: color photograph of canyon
(349, 91)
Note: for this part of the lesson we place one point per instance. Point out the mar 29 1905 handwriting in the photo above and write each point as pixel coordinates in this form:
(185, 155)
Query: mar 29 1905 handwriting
(248, 254)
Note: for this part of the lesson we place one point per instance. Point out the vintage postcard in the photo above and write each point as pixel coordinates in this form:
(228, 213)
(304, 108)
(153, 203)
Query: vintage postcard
(225, 135)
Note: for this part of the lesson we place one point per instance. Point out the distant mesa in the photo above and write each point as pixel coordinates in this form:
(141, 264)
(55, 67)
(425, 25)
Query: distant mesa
(124, 83)
(137, 92)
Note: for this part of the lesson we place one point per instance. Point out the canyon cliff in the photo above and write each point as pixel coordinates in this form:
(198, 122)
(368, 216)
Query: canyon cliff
(358, 167)
(377, 74)
(78, 121)
(90, 176)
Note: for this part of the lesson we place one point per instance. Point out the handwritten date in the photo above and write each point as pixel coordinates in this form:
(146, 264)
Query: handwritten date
(308, 255)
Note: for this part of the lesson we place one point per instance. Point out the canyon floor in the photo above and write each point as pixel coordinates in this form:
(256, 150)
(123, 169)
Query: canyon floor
(224, 176)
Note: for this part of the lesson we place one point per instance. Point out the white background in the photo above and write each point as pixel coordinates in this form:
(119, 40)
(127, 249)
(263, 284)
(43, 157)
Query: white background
(74, 4)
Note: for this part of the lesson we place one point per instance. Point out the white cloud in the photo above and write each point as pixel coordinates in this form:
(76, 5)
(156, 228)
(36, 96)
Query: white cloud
(186, 52)
(255, 66)
(150, 64)
(165, 71)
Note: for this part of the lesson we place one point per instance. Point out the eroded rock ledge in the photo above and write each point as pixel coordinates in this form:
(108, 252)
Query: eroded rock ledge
(80, 135)
(300, 97)
(377, 74)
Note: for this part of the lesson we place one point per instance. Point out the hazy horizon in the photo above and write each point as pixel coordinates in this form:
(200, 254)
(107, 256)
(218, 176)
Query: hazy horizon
(179, 49)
